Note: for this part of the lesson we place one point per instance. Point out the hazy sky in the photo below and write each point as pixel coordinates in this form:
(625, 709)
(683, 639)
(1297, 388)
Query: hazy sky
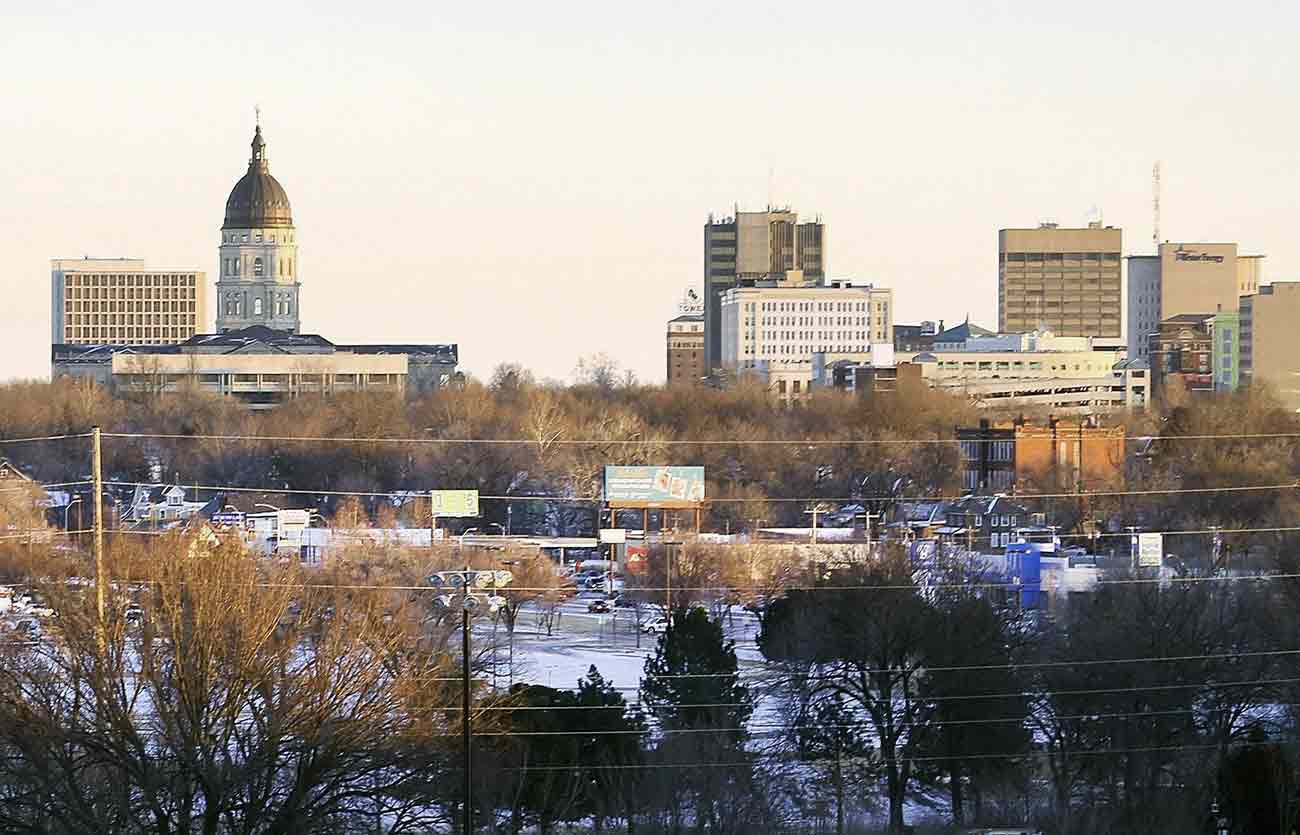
(530, 179)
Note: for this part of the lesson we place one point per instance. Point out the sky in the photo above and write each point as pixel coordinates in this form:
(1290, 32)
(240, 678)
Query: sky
(530, 180)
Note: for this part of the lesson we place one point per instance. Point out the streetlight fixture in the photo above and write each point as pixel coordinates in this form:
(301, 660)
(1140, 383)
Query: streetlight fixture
(463, 583)
(68, 509)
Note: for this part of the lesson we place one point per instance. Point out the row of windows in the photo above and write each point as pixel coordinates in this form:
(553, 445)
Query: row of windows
(1053, 257)
(131, 280)
(233, 266)
(242, 237)
(810, 307)
(234, 305)
(124, 335)
(130, 293)
(129, 319)
(128, 307)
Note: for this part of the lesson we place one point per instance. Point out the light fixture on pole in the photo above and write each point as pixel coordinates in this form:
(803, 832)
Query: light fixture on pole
(463, 585)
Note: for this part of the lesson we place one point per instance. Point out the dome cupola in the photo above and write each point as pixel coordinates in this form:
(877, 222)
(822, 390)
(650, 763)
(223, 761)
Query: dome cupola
(258, 201)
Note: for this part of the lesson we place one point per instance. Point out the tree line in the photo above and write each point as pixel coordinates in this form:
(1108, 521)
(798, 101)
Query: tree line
(223, 694)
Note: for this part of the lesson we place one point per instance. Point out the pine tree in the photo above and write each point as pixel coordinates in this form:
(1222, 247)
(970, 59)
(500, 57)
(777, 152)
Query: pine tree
(692, 681)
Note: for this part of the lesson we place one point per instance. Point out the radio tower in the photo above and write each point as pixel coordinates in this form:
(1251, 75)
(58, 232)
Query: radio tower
(1155, 206)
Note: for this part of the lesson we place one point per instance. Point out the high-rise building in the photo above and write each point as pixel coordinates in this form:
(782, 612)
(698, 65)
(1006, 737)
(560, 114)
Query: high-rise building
(258, 283)
(120, 301)
(1185, 279)
(1270, 321)
(686, 348)
(754, 246)
(1067, 281)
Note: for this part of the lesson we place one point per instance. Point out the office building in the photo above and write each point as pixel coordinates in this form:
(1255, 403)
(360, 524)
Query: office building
(686, 348)
(1269, 324)
(1185, 279)
(755, 246)
(258, 283)
(1182, 357)
(789, 331)
(121, 301)
(1067, 281)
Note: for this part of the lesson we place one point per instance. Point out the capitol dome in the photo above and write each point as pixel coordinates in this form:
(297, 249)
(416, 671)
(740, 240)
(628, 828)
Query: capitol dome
(258, 201)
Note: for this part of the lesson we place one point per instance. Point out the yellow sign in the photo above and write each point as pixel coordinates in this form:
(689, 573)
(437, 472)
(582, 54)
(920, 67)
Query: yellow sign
(455, 502)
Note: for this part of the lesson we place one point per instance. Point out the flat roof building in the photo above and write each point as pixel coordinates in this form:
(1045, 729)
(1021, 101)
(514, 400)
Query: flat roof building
(686, 348)
(121, 301)
(261, 367)
(1065, 280)
(790, 327)
(1269, 326)
(754, 246)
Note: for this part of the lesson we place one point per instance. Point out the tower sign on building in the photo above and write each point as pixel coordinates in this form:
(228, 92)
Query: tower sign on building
(258, 279)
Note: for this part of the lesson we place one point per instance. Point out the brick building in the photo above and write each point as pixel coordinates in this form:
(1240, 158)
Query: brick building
(1075, 454)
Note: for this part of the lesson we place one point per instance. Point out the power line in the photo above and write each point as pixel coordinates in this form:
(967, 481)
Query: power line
(417, 493)
(42, 438)
(650, 442)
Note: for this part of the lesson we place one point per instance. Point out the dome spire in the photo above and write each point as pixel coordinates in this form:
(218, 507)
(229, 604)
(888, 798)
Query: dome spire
(258, 159)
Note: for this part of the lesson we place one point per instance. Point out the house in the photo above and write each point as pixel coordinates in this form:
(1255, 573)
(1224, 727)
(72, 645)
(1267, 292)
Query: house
(165, 506)
(986, 523)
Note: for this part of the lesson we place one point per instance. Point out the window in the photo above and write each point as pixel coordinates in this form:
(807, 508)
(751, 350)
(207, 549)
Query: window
(257, 265)
(257, 307)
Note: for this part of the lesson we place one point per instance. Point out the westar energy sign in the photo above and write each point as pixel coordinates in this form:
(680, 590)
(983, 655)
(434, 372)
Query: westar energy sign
(654, 484)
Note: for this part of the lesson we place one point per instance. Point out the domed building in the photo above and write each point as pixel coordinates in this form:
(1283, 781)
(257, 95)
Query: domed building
(257, 282)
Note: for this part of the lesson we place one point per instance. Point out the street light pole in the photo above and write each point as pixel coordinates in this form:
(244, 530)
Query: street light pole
(468, 811)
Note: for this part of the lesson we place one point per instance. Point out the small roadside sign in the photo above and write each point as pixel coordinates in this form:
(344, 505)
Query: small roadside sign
(1151, 550)
(454, 502)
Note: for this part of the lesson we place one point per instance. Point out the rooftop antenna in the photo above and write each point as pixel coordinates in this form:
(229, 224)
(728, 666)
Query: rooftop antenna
(771, 172)
(257, 115)
(1155, 205)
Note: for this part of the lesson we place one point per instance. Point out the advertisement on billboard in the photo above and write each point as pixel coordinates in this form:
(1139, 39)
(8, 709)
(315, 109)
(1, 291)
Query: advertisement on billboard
(290, 525)
(1151, 550)
(654, 484)
(455, 502)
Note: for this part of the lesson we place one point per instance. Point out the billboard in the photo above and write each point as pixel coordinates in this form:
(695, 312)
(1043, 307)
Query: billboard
(1150, 550)
(654, 484)
(455, 502)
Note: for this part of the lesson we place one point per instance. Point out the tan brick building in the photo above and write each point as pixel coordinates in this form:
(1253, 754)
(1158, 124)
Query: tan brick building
(1068, 281)
(1270, 323)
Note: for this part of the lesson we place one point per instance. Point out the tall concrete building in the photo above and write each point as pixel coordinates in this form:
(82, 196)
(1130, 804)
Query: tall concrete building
(120, 301)
(755, 246)
(258, 283)
(1185, 279)
(1067, 281)
(1269, 324)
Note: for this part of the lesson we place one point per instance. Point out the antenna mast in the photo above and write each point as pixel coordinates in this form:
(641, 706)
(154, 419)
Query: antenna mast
(1155, 205)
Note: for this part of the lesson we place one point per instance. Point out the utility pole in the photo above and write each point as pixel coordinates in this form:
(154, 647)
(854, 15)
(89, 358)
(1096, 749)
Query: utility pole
(467, 819)
(97, 475)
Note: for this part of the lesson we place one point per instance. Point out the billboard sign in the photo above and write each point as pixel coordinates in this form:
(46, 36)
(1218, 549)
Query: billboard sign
(290, 528)
(654, 484)
(1150, 550)
(455, 502)
(613, 535)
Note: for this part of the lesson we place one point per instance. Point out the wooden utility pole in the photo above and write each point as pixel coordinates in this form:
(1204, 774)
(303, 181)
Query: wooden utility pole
(97, 474)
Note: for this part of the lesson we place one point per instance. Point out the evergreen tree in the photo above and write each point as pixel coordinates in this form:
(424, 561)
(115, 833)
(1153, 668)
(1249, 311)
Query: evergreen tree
(692, 682)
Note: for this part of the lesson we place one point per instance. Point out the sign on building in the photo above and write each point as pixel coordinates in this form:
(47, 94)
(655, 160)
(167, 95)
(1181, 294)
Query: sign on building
(228, 519)
(1151, 550)
(613, 535)
(291, 526)
(670, 485)
(455, 503)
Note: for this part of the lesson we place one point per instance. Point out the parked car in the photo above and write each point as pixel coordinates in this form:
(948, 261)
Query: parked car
(656, 626)
(600, 606)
